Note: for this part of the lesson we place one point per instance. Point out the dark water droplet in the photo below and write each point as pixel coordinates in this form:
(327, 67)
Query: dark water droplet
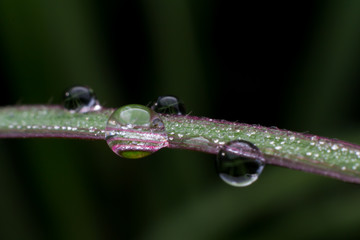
(239, 163)
(81, 99)
(135, 131)
(169, 105)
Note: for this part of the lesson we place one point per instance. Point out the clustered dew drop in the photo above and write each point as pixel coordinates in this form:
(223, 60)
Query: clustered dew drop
(81, 99)
(135, 131)
(239, 163)
(169, 105)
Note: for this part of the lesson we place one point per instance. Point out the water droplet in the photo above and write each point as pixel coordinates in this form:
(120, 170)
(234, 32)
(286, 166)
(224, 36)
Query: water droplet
(135, 131)
(239, 163)
(81, 99)
(334, 147)
(169, 105)
(197, 140)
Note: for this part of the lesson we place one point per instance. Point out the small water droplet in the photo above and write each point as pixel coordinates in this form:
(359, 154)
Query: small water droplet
(334, 147)
(135, 131)
(239, 163)
(314, 138)
(81, 99)
(169, 105)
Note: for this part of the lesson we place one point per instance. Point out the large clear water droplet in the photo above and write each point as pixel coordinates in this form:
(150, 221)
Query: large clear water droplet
(239, 163)
(81, 99)
(169, 105)
(135, 131)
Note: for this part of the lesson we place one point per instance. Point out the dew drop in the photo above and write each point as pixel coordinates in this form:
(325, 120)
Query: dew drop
(197, 141)
(169, 105)
(239, 163)
(81, 99)
(135, 131)
(334, 147)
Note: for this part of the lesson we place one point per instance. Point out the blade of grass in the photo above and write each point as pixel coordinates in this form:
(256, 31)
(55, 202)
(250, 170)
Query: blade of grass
(310, 153)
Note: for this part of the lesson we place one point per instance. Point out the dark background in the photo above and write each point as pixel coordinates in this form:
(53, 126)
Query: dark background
(293, 65)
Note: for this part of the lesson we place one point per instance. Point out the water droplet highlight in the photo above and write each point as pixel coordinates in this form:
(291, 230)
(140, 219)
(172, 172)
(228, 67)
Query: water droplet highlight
(239, 163)
(81, 99)
(169, 105)
(135, 131)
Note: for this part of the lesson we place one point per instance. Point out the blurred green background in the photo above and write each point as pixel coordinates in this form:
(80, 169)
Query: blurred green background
(293, 65)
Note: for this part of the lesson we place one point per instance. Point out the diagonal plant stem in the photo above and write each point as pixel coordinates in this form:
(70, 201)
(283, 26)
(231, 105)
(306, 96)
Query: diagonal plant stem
(305, 152)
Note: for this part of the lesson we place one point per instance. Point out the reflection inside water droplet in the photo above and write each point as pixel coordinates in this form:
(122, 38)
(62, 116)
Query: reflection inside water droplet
(239, 163)
(81, 99)
(169, 105)
(135, 131)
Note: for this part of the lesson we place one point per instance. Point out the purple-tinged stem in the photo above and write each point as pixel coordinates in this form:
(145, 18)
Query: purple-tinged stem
(305, 152)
